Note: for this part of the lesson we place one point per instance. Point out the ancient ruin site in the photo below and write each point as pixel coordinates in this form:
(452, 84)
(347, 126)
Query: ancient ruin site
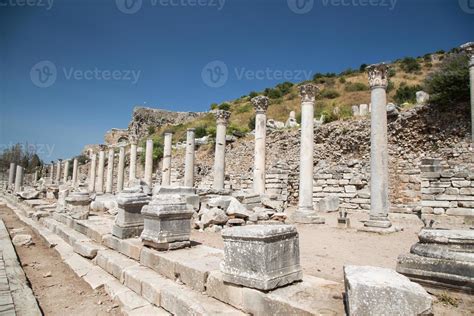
(303, 187)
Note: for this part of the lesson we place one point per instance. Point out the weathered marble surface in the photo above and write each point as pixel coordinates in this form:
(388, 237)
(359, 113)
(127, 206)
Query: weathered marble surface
(129, 220)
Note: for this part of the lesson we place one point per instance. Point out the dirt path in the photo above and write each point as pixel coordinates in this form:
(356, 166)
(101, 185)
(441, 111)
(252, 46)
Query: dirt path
(58, 290)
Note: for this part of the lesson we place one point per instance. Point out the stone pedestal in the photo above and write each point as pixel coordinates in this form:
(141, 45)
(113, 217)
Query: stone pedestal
(121, 169)
(92, 173)
(11, 175)
(441, 258)
(167, 223)
(166, 170)
(149, 162)
(74, 172)
(469, 49)
(189, 160)
(305, 214)
(133, 160)
(100, 172)
(66, 171)
(78, 204)
(261, 256)
(110, 171)
(58, 171)
(129, 220)
(222, 119)
(261, 105)
(18, 179)
(379, 202)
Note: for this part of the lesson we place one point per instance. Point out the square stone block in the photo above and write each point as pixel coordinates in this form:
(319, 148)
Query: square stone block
(129, 220)
(261, 256)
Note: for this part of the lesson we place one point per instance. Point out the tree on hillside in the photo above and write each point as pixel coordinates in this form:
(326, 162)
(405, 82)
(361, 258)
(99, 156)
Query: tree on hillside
(24, 156)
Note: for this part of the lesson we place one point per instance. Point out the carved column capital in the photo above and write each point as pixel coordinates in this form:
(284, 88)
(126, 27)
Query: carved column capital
(260, 103)
(378, 75)
(102, 147)
(469, 49)
(222, 117)
(308, 92)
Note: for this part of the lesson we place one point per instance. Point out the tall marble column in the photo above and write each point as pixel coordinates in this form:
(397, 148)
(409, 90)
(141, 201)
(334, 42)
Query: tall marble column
(166, 170)
(133, 160)
(121, 169)
(92, 173)
(379, 202)
(149, 162)
(305, 214)
(469, 49)
(35, 177)
(18, 178)
(66, 171)
(58, 171)
(51, 170)
(110, 171)
(261, 105)
(11, 175)
(189, 159)
(100, 170)
(222, 119)
(74, 172)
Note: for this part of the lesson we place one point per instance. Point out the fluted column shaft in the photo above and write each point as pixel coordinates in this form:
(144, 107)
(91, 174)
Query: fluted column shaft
(100, 172)
(133, 162)
(189, 159)
(66, 171)
(166, 170)
(121, 169)
(261, 104)
(11, 175)
(92, 173)
(222, 119)
(74, 172)
(149, 162)
(110, 171)
(18, 178)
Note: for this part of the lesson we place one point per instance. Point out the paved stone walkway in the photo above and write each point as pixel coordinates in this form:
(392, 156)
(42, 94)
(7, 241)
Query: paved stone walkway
(6, 300)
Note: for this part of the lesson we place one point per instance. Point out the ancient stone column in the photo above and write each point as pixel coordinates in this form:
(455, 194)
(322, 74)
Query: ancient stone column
(261, 105)
(149, 162)
(306, 213)
(52, 171)
(469, 49)
(189, 160)
(133, 160)
(222, 119)
(35, 177)
(74, 172)
(11, 175)
(58, 170)
(92, 173)
(100, 171)
(18, 178)
(66, 170)
(121, 169)
(379, 203)
(166, 170)
(110, 171)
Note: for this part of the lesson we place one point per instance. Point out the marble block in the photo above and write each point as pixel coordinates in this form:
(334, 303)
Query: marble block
(129, 220)
(264, 257)
(78, 204)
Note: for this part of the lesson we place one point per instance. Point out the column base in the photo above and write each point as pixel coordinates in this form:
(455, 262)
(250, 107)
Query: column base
(307, 216)
(379, 225)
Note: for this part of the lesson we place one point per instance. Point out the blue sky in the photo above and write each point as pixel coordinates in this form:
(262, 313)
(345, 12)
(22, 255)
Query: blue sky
(110, 55)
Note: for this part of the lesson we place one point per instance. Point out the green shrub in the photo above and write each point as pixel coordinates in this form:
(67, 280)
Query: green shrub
(284, 87)
(329, 94)
(348, 72)
(406, 94)
(356, 86)
(211, 131)
(390, 86)
(151, 130)
(392, 72)
(427, 57)
(253, 94)
(224, 106)
(237, 130)
(450, 83)
(410, 64)
(200, 131)
(362, 67)
(251, 123)
(244, 108)
(342, 80)
(273, 93)
(214, 106)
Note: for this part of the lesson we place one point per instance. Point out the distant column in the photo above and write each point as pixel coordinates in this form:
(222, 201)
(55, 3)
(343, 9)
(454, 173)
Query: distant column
(166, 170)
(469, 49)
(222, 119)
(74, 172)
(379, 202)
(100, 172)
(58, 171)
(11, 175)
(66, 170)
(18, 178)
(149, 162)
(35, 177)
(261, 105)
(110, 171)
(189, 159)
(133, 160)
(121, 169)
(52, 171)
(92, 173)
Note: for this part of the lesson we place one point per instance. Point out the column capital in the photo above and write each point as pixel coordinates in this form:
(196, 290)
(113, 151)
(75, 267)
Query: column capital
(260, 103)
(222, 117)
(469, 49)
(378, 75)
(102, 147)
(133, 138)
(308, 92)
